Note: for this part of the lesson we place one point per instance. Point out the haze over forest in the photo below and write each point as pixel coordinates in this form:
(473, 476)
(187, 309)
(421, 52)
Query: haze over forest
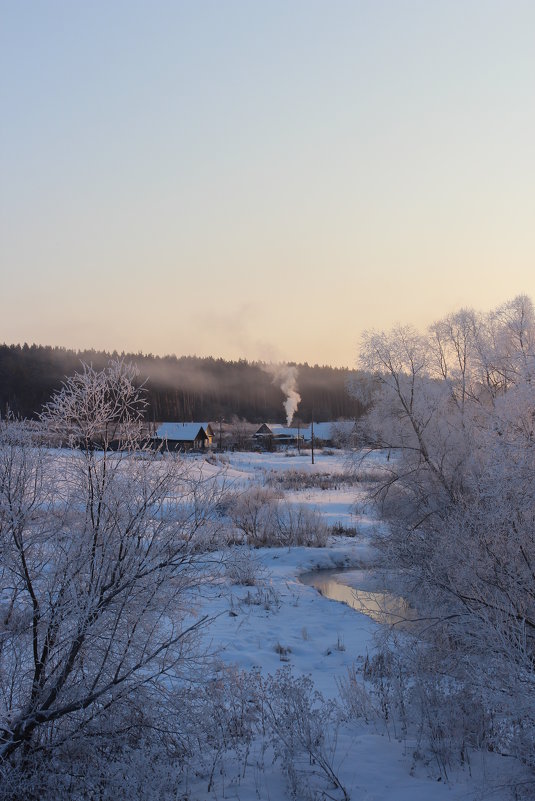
(182, 388)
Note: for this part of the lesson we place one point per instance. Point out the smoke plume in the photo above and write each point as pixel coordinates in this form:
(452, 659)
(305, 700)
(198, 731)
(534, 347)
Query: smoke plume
(286, 376)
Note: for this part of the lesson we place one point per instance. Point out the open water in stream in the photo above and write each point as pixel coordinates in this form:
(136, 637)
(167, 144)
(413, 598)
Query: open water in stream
(362, 591)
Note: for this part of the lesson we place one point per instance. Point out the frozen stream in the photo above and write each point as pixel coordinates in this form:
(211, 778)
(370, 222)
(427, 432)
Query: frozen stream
(361, 590)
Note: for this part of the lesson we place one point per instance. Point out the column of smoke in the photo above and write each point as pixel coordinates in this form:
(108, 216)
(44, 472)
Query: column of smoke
(286, 376)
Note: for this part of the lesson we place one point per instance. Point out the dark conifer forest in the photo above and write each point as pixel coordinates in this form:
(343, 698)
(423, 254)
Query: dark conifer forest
(180, 388)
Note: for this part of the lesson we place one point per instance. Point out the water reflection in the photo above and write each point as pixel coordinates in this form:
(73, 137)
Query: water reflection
(359, 589)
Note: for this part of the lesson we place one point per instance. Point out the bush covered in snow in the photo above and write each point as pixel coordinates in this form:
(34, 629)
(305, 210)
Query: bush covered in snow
(267, 521)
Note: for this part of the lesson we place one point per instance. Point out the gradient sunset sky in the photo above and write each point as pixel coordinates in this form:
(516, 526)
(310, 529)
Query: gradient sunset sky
(261, 180)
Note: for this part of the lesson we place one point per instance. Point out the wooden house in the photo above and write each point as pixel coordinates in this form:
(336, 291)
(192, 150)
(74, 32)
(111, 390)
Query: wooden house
(183, 436)
(329, 434)
(273, 435)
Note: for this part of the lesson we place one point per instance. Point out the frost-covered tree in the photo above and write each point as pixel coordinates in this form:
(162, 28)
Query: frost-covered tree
(99, 570)
(456, 410)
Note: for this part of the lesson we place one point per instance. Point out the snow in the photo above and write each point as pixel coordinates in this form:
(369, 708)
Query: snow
(180, 432)
(322, 431)
(280, 621)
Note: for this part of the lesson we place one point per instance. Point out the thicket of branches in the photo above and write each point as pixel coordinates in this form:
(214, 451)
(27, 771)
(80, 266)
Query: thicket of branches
(103, 556)
(456, 410)
(178, 388)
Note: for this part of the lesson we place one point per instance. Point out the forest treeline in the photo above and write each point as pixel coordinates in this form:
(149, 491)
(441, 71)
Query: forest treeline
(180, 388)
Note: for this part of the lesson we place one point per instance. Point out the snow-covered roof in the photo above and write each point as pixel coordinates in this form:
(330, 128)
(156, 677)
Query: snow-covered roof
(180, 432)
(283, 431)
(329, 431)
(323, 431)
(278, 430)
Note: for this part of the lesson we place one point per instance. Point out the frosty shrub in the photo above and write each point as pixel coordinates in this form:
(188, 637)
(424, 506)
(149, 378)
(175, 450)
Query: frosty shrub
(103, 560)
(295, 480)
(303, 730)
(267, 521)
(223, 719)
(299, 525)
(356, 701)
(242, 566)
(117, 760)
(340, 530)
(253, 512)
(412, 693)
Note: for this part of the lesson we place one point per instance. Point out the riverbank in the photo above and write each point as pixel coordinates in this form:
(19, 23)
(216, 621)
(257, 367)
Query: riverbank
(281, 623)
(276, 623)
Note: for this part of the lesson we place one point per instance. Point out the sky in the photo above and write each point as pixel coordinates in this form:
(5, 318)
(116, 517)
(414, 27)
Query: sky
(261, 180)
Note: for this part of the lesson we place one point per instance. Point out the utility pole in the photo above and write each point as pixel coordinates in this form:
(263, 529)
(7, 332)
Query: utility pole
(220, 437)
(312, 436)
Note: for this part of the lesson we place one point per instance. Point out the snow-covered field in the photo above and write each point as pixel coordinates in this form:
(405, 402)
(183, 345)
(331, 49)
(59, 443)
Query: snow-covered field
(281, 623)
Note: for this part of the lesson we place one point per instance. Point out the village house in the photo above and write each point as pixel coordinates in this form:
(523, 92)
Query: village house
(183, 436)
(271, 435)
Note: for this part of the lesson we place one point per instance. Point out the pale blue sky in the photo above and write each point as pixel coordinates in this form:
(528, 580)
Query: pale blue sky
(261, 180)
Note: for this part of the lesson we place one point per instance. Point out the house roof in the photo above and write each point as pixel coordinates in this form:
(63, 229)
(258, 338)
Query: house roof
(181, 432)
(284, 431)
(329, 431)
(323, 431)
(278, 430)
(264, 430)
